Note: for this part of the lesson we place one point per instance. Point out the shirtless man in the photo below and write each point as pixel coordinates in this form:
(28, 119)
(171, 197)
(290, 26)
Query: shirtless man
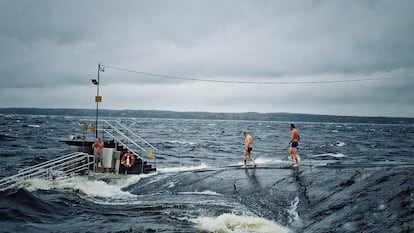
(248, 147)
(98, 146)
(293, 145)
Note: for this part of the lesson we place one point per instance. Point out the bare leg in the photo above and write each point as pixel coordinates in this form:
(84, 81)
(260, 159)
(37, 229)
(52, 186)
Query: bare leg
(294, 157)
(244, 158)
(290, 154)
(251, 158)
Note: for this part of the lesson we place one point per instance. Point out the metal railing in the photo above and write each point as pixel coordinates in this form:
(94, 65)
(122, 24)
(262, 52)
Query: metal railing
(126, 137)
(63, 167)
(79, 163)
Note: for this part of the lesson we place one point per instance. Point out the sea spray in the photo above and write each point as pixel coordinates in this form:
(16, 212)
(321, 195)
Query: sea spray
(238, 223)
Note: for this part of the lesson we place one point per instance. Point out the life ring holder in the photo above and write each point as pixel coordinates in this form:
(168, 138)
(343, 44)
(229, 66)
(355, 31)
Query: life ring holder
(128, 160)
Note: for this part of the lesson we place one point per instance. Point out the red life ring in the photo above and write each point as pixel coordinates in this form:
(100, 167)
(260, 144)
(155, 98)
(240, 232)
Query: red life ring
(128, 160)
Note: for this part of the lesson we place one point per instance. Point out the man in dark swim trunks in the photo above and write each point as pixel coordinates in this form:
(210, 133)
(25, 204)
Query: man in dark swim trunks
(293, 145)
(248, 147)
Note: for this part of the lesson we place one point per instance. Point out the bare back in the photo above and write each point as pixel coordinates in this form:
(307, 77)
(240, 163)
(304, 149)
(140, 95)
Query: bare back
(294, 135)
(248, 141)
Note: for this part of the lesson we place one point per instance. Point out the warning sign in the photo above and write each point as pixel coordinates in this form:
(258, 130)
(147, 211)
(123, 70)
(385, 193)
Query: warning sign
(98, 99)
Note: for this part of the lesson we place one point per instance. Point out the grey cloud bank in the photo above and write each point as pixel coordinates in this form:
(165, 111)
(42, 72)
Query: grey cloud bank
(49, 51)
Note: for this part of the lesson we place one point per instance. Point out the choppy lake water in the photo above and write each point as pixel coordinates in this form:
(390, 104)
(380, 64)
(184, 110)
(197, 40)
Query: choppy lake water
(353, 178)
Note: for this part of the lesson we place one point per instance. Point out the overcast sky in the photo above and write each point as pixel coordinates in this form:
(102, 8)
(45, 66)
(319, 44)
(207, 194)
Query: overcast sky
(50, 50)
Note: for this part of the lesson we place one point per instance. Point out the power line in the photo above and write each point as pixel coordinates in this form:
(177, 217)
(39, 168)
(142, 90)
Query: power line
(258, 82)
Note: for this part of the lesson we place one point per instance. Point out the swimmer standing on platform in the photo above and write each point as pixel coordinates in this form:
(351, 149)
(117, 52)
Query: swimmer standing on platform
(293, 145)
(248, 147)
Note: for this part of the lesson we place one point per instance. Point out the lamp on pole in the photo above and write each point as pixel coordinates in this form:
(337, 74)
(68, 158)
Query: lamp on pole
(98, 98)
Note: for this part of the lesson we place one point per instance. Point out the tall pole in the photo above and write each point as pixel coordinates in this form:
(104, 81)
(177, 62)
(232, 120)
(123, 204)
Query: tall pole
(97, 100)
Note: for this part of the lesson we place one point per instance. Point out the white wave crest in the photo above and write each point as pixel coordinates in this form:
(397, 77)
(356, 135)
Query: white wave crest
(132, 179)
(263, 160)
(337, 155)
(92, 188)
(182, 168)
(292, 211)
(95, 188)
(206, 192)
(238, 223)
(340, 144)
(182, 142)
(35, 184)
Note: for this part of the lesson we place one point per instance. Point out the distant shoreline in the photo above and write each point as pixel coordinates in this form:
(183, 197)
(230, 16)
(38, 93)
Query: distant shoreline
(251, 116)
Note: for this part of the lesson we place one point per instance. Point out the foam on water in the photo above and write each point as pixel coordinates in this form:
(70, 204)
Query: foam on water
(335, 155)
(293, 213)
(238, 223)
(263, 160)
(205, 192)
(35, 184)
(92, 188)
(33, 126)
(182, 142)
(95, 188)
(340, 144)
(132, 179)
(182, 168)
(260, 161)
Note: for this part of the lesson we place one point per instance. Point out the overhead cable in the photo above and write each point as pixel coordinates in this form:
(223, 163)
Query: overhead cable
(258, 82)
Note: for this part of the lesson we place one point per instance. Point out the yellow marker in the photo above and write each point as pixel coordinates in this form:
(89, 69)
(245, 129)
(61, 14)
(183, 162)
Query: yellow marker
(93, 128)
(85, 127)
(98, 99)
(150, 154)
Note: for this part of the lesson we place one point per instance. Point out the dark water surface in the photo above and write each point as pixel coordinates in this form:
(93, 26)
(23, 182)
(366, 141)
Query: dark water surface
(353, 178)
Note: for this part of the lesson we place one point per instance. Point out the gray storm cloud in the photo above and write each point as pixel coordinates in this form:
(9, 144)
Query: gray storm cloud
(47, 46)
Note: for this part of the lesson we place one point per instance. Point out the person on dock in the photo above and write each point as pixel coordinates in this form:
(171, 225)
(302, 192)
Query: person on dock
(248, 147)
(293, 145)
(54, 176)
(98, 146)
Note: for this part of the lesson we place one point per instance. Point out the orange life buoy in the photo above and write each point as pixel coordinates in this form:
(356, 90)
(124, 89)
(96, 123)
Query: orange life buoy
(128, 160)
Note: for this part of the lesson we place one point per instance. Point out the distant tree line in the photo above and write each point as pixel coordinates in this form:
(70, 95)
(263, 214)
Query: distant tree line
(249, 116)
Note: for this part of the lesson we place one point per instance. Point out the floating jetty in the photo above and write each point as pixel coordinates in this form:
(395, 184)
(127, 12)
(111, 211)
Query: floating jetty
(123, 155)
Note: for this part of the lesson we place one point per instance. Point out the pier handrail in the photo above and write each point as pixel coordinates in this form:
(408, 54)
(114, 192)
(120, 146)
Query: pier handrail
(63, 167)
(136, 135)
(124, 144)
(53, 161)
(122, 135)
(128, 135)
(125, 136)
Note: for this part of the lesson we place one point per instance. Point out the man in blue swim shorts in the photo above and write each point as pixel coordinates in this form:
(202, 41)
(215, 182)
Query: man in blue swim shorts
(293, 145)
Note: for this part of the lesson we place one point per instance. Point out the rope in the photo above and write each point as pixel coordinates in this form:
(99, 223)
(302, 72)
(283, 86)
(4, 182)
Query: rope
(258, 82)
